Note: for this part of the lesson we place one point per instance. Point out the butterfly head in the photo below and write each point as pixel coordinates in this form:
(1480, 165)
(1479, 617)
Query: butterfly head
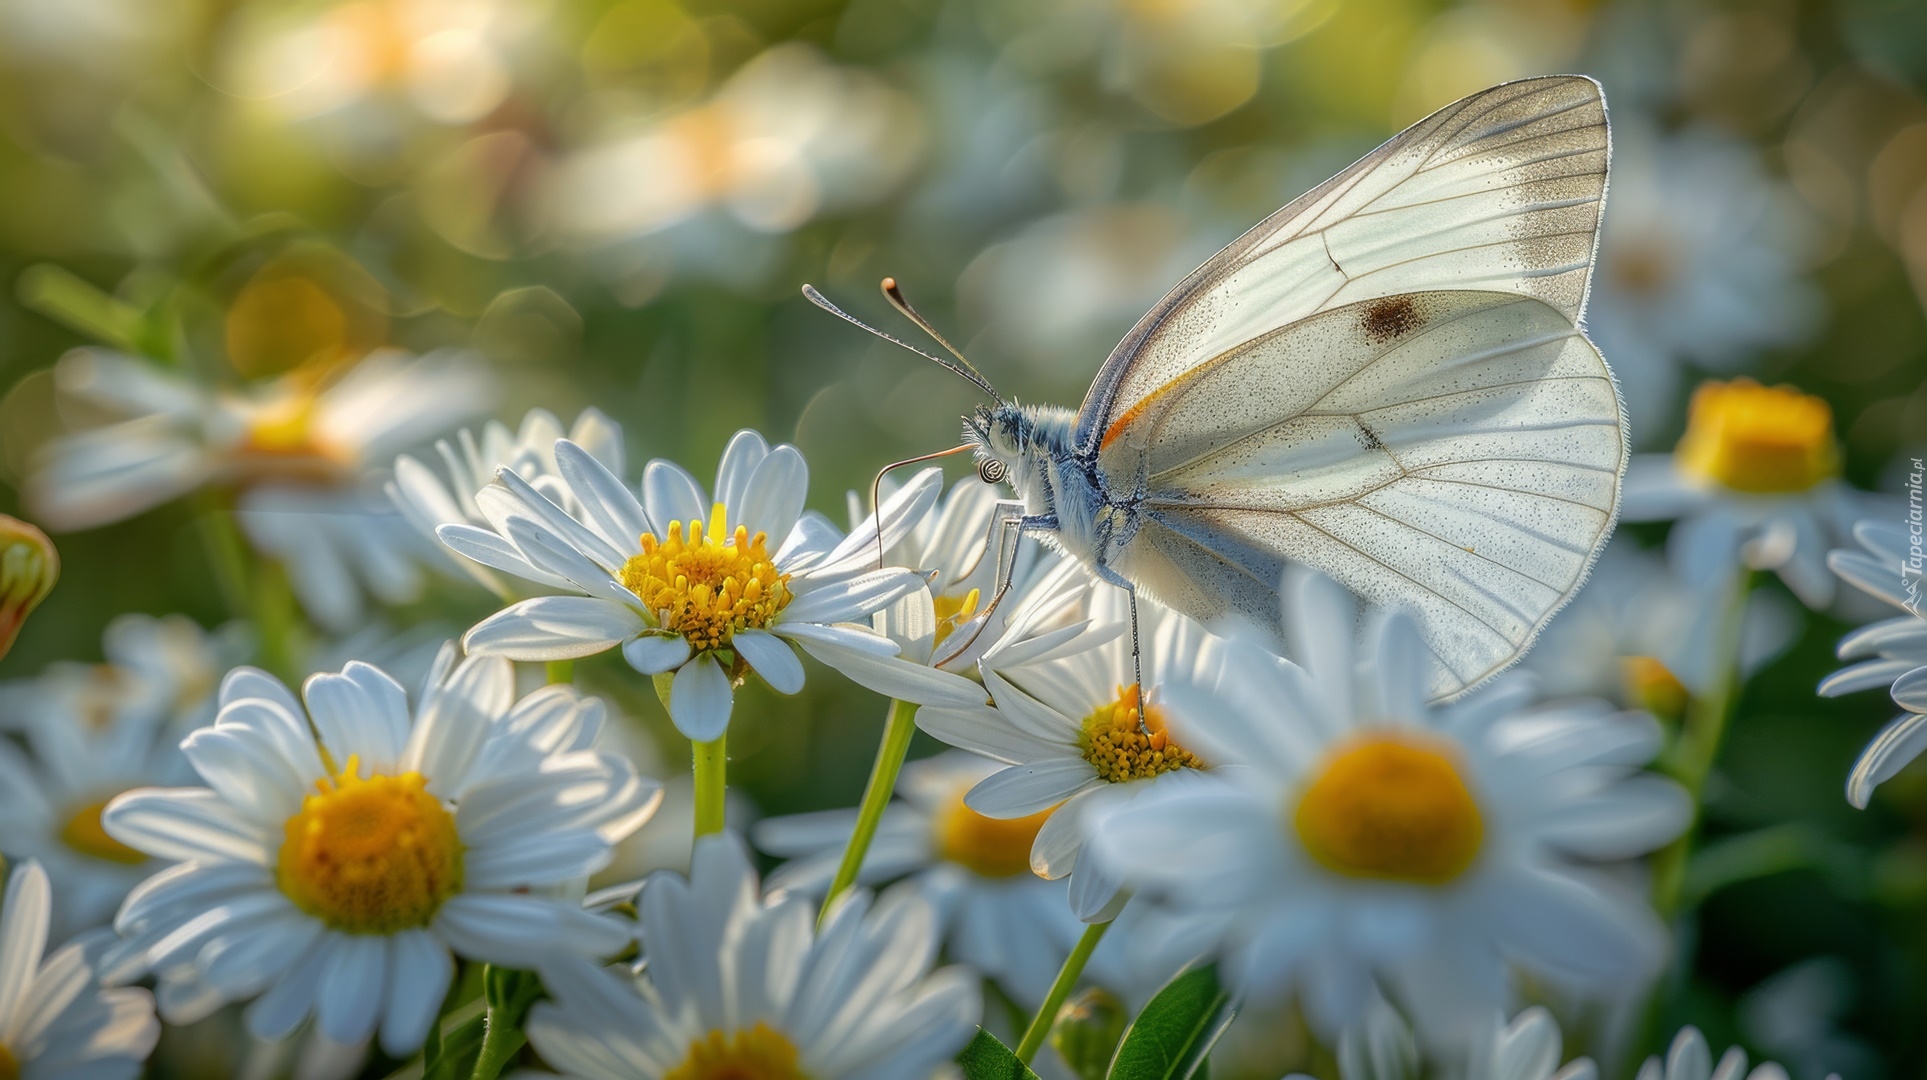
(1017, 443)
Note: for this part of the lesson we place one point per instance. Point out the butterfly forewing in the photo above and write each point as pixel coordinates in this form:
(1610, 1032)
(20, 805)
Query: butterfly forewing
(1456, 454)
(1500, 191)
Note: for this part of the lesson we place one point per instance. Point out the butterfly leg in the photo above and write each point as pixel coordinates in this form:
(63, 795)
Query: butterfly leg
(1008, 522)
(1111, 576)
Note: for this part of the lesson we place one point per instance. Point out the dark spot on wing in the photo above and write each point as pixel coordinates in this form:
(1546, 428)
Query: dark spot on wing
(1369, 438)
(1390, 318)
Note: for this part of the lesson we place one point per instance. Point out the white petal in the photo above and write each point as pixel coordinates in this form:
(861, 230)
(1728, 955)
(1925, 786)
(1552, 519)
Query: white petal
(553, 628)
(353, 984)
(772, 501)
(653, 654)
(1897, 745)
(419, 971)
(27, 909)
(741, 458)
(700, 699)
(612, 508)
(671, 495)
(492, 550)
(1022, 790)
(185, 824)
(771, 657)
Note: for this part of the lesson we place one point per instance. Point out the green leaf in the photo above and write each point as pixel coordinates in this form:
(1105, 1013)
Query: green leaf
(987, 1058)
(1170, 1039)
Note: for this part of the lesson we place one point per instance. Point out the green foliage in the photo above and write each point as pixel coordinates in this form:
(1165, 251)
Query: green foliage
(987, 1058)
(1174, 1034)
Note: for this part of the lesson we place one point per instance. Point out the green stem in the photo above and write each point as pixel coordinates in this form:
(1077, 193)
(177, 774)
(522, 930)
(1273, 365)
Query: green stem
(1067, 976)
(897, 730)
(561, 671)
(227, 553)
(710, 764)
(1691, 758)
(501, 1041)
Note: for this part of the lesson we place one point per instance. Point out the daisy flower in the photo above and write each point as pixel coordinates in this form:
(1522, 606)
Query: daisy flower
(293, 449)
(1074, 733)
(699, 589)
(738, 984)
(1690, 1058)
(1007, 923)
(56, 1021)
(1639, 635)
(92, 731)
(427, 501)
(1379, 1046)
(1892, 652)
(342, 855)
(1702, 263)
(1356, 836)
(955, 545)
(1754, 482)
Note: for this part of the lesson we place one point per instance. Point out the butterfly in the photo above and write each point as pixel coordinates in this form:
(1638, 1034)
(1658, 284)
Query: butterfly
(1388, 380)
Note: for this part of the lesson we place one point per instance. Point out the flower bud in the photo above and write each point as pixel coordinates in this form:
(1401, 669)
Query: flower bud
(1087, 1032)
(29, 566)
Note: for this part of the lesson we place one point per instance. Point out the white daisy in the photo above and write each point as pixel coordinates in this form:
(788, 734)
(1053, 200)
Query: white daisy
(1379, 1046)
(706, 589)
(293, 449)
(1754, 482)
(1639, 635)
(1067, 725)
(341, 856)
(1892, 652)
(427, 501)
(949, 624)
(1009, 924)
(92, 731)
(1702, 263)
(1689, 1058)
(1354, 835)
(56, 1022)
(739, 985)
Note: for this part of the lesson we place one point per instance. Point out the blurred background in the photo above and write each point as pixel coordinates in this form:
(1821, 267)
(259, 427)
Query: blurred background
(613, 203)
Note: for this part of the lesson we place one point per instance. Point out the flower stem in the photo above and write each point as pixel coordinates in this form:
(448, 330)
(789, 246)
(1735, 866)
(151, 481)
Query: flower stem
(509, 994)
(709, 765)
(561, 671)
(1691, 757)
(1067, 976)
(897, 730)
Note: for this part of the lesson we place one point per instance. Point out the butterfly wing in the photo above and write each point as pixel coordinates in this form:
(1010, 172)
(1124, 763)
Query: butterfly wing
(1386, 380)
(1499, 191)
(1457, 454)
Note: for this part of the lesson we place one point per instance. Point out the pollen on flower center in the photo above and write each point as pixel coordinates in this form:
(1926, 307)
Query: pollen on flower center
(83, 833)
(1122, 749)
(371, 856)
(1391, 807)
(986, 846)
(706, 586)
(1762, 440)
(759, 1053)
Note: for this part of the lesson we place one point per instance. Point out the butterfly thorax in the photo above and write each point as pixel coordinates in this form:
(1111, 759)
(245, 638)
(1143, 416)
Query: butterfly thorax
(1034, 445)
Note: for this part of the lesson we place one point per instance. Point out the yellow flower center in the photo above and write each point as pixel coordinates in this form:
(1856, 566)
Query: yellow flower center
(9, 1065)
(279, 323)
(707, 585)
(1122, 748)
(1392, 807)
(1652, 686)
(760, 1053)
(954, 611)
(371, 856)
(986, 846)
(1762, 440)
(83, 833)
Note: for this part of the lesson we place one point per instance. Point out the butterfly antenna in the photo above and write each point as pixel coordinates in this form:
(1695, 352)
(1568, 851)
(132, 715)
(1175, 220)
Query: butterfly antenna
(876, 488)
(968, 372)
(902, 303)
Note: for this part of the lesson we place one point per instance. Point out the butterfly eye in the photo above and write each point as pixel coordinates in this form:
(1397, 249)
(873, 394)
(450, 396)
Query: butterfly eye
(991, 471)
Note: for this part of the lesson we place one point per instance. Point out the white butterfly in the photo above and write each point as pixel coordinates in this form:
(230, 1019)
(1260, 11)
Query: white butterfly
(1386, 380)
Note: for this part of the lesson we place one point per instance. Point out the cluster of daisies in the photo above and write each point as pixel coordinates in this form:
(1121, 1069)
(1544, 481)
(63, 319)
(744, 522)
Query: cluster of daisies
(339, 860)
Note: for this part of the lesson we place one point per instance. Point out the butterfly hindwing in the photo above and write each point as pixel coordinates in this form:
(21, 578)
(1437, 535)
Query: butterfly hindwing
(1457, 454)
